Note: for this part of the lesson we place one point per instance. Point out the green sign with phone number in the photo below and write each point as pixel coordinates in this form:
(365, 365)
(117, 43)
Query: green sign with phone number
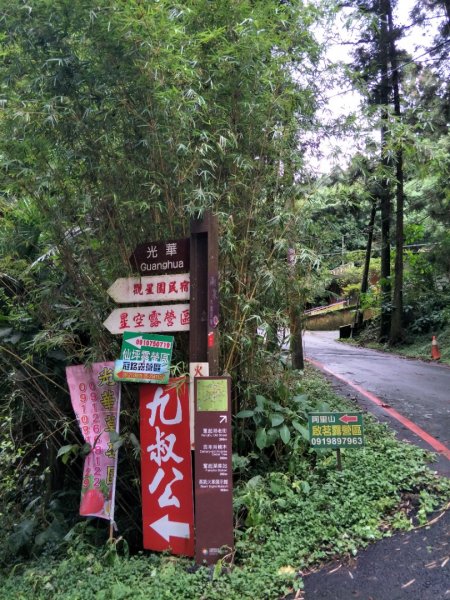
(336, 430)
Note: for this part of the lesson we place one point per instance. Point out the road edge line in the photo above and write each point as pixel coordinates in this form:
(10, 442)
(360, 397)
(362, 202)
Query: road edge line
(438, 446)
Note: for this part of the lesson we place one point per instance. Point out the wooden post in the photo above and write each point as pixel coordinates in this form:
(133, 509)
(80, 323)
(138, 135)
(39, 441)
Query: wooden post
(339, 459)
(204, 300)
(213, 497)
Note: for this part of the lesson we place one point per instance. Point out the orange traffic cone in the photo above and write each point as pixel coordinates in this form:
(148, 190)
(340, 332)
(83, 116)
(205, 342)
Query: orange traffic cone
(435, 352)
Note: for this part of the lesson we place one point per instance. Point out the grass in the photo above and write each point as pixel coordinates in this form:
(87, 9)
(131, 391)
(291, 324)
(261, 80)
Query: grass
(290, 516)
(420, 347)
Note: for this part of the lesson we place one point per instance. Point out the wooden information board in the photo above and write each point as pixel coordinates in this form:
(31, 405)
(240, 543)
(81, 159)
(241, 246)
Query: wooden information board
(213, 469)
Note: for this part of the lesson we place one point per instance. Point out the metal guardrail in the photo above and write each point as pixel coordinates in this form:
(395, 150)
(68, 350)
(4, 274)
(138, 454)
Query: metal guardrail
(318, 309)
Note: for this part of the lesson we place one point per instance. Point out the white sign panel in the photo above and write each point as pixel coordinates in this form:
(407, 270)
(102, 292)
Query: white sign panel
(147, 319)
(158, 288)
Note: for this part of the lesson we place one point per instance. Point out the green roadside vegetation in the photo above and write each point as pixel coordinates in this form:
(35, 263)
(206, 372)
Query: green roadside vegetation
(426, 306)
(414, 346)
(293, 511)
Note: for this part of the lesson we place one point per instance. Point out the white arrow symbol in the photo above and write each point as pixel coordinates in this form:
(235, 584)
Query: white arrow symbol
(223, 418)
(167, 529)
(136, 341)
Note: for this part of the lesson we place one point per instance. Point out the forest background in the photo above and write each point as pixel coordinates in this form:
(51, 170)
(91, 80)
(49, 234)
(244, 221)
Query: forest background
(120, 121)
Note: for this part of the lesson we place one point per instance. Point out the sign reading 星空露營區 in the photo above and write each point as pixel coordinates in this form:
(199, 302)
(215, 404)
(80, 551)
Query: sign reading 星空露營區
(144, 358)
(156, 318)
(169, 256)
(336, 430)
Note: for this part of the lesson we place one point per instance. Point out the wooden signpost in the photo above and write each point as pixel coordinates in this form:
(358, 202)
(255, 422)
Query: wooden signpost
(204, 300)
(174, 271)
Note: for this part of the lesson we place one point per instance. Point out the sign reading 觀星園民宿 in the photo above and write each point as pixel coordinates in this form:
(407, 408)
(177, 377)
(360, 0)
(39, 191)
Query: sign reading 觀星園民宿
(336, 430)
(169, 256)
(159, 288)
(144, 358)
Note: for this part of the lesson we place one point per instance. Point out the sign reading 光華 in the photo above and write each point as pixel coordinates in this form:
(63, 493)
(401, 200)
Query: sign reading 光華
(169, 256)
(144, 358)
(336, 430)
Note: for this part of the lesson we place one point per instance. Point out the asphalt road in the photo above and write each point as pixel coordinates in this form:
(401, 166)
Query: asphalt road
(416, 390)
(408, 566)
(414, 398)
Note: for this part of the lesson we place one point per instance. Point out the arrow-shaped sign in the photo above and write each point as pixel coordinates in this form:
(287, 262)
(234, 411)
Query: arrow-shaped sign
(223, 419)
(349, 419)
(149, 319)
(167, 529)
(150, 289)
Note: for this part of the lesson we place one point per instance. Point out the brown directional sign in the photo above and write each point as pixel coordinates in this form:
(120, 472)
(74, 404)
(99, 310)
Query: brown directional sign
(155, 258)
(213, 471)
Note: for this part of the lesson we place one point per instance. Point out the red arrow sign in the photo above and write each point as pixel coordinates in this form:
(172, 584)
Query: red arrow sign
(349, 419)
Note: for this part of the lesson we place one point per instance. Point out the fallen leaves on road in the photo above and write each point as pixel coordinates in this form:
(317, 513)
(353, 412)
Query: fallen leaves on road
(334, 570)
(405, 585)
(431, 564)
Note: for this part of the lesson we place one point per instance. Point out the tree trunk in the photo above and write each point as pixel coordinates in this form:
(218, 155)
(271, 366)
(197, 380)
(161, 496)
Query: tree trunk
(385, 200)
(396, 333)
(296, 338)
(365, 276)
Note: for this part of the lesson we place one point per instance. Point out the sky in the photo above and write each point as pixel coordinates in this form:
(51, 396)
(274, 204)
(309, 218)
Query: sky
(341, 102)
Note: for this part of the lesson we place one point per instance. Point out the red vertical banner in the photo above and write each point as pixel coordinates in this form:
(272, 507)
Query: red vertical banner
(213, 469)
(166, 470)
